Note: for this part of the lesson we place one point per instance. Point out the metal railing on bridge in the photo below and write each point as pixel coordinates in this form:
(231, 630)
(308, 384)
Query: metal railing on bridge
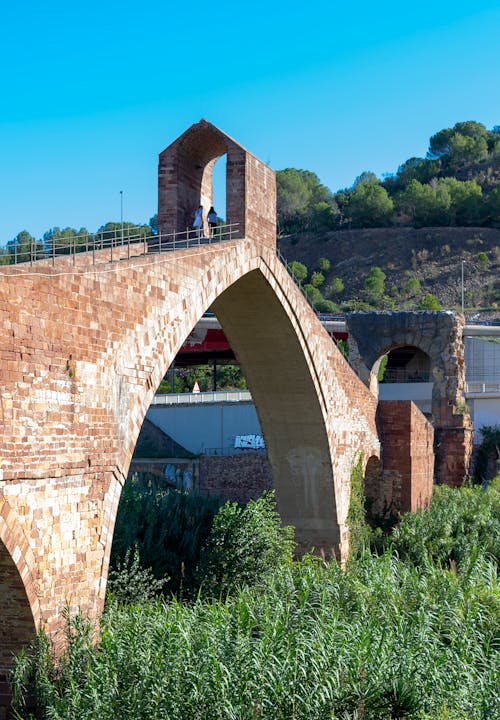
(202, 398)
(482, 388)
(118, 239)
(123, 242)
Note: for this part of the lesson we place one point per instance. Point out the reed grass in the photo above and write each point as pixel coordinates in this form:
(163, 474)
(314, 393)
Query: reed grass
(413, 632)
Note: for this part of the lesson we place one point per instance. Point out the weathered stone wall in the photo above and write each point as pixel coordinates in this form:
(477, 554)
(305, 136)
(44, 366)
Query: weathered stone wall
(440, 336)
(241, 477)
(407, 438)
(235, 477)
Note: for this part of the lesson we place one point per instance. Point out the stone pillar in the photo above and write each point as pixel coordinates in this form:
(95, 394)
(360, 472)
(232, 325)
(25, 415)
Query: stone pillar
(407, 457)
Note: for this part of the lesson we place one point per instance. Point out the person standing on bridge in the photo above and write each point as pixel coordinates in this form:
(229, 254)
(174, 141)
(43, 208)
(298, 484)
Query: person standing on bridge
(213, 221)
(198, 222)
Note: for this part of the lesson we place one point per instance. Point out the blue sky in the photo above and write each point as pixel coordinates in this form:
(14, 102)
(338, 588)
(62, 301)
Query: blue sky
(92, 92)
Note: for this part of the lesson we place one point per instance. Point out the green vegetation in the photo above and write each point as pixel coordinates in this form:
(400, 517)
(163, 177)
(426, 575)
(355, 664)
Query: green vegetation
(56, 241)
(245, 546)
(323, 264)
(487, 463)
(166, 527)
(317, 279)
(410, 631)
(303, 202)
(423, 192)
(298, 270)
(375, 284)
(483, 261)
(429, 302)
(228, 377)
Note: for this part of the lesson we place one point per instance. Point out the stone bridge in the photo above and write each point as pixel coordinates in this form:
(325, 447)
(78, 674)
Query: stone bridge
(85, 342)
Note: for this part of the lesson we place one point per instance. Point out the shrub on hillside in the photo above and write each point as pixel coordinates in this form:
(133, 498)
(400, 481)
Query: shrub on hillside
(298, 270)
(429, 302)
(326, 306)
(375, 284)
(323, 265)
(317, 279)
(336, 286)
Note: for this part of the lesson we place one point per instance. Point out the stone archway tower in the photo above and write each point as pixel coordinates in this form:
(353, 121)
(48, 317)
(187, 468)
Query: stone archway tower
(185, 182)
(440, 336)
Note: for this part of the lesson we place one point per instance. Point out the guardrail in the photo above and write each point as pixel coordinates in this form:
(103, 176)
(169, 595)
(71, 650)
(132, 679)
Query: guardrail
(118, 238)
(202, 398)
(478, 387)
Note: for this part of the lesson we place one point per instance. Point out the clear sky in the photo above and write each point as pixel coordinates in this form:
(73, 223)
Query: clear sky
(91, 92)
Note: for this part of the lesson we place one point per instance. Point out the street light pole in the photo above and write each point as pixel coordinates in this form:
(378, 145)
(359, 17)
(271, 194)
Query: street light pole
(463, 261)
(121, 212)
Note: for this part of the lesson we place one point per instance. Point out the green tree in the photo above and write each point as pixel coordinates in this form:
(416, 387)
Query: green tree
(298, 192)
(429, 302)
(114, 231)
(369, 205)
(492, 208)
(336, 286)
(375, 284)
(323, 265)
(24, 247)
(67, 240)
(321, 216)
(415, 168)
(465, 142)
(426, 205)
(317, 279)
(413, 286)
(245, 545)
(153, 224)
(483, 261)
(298, 269)
(466, 200)
(313, 294)
(326, 306)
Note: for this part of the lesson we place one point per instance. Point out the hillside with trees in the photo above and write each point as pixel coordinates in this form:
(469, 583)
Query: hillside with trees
(401, 241)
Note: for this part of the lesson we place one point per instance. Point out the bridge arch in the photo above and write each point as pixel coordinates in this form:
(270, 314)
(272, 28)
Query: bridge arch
(301, 403)
(440, 336)
(19, 603)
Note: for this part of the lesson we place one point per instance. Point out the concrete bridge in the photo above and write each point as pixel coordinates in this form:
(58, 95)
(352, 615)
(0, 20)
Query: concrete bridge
(85, 341)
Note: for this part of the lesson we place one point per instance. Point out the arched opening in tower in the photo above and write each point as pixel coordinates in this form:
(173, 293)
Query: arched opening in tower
(405, 373)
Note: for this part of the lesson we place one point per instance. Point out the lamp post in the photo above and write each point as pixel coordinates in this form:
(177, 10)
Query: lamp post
(463, 261)
(121, 212)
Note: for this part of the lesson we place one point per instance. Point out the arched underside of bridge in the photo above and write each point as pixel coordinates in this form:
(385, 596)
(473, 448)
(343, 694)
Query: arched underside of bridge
(87, 350)
(19, 606)
(292, 409)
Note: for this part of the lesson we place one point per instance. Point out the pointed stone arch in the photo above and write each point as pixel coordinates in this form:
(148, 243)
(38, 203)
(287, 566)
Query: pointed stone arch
(185, 182)
(19, 604)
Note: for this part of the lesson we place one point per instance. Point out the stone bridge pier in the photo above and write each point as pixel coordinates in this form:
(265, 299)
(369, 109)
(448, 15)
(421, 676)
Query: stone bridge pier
(440, 336)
